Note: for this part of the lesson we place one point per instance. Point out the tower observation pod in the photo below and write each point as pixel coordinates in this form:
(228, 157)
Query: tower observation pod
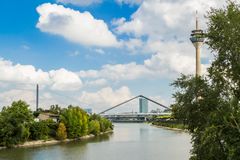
(198, 38)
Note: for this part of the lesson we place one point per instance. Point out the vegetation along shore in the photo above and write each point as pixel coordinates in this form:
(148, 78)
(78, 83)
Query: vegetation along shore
(20, 127)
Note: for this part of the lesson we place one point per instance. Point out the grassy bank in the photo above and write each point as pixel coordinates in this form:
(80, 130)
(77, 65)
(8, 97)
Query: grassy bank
(170, 124)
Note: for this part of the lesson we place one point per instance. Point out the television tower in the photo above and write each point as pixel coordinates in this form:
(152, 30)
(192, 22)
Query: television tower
(197, 38)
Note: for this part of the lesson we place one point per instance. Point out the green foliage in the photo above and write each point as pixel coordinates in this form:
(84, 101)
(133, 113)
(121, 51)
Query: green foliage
(36, 114)
(95, 117)
(76, 121)
(55, 109)
(52, 125)
(211, 106)
(105, 124)
(17, 124)
(223, 38)
(39, 130)
(61, 131)
(94, 127)
(14, 123)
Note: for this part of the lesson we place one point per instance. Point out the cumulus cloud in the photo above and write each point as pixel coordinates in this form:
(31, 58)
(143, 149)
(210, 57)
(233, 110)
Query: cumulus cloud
(81, 28)
(117, 72)
(22, 73)
(80, 2)
(165, 18)
(61, 79)
(162, 28)
(170, 59)
(65, 80)
(7, 97)
(97, 82)
(106, 97)
(134, 45)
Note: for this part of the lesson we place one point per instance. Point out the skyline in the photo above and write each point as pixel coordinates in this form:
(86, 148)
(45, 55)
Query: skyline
(109, 51)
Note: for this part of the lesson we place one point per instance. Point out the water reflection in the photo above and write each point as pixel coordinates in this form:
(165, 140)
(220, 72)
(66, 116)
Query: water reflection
(129, 142)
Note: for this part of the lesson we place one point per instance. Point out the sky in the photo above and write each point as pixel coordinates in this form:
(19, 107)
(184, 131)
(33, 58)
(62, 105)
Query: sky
(97, 53)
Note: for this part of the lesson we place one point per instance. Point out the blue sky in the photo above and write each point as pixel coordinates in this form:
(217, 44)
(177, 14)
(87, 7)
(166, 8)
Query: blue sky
(96, 53)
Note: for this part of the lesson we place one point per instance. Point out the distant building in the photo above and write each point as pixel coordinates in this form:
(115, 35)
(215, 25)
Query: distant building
(143, 105)
(88, 110)
(47, 116)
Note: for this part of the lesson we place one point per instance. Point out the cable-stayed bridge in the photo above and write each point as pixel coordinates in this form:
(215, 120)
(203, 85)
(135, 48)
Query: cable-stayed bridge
(132, 116)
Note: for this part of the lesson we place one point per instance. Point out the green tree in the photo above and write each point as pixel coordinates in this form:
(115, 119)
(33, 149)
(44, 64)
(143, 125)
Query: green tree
(210, 106)
(105, 124)
(75, 120)
(39, 130)
(61, 132)
(55, 109)
(94, 127)
(14, 123)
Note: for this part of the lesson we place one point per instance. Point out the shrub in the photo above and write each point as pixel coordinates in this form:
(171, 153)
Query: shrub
(61, 132)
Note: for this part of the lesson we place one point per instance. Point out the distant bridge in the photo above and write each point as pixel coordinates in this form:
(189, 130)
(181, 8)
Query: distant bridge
(133, 117)
(139, 96)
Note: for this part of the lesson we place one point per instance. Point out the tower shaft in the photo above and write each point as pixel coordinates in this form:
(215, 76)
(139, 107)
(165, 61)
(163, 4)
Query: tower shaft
(198, 59)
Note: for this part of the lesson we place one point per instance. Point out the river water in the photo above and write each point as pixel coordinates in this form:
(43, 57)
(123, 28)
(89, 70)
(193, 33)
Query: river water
(130, 141)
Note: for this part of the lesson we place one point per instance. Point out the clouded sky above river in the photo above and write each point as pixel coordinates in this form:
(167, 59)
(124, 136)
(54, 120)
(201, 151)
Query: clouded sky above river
(96, 53)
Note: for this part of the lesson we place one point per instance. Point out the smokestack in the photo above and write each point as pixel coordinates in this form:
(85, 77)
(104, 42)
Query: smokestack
(37, 96)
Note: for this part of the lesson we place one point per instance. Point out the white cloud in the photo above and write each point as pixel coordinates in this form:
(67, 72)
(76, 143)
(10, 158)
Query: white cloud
(97, 82)
(118, 21)
(61, 79)
(9, 96)
(105, 98)
(165, 18)
(170, 59)
(134, 45)
(81, 28)
(80, 2)
(89, 74)
(22, 73)
(65, 80)
(117, 72)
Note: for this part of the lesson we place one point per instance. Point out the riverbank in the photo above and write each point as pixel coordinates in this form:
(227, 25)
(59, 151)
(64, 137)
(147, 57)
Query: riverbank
(39, 143)
(170, 126)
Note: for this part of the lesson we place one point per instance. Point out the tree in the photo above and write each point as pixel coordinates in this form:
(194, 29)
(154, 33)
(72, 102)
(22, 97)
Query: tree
(61, 131)
(94, 127)
(76, 121)
(55, 109)
(105, 124)
(210, 105)
(39, 130)
(14, 123)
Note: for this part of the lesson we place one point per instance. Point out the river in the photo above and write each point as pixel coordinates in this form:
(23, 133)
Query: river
(130, 141)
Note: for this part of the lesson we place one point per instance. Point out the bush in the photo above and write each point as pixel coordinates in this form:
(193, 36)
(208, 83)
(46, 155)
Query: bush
(39, 130)
(94, 127)
(61, 132)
